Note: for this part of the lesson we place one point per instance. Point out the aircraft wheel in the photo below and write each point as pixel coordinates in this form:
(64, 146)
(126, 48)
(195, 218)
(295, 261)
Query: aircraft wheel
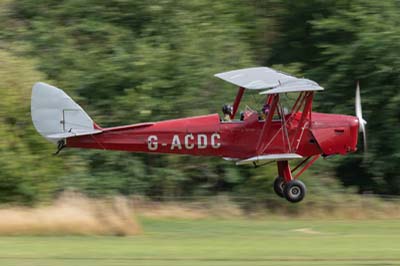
(279, 185)
(294, 191)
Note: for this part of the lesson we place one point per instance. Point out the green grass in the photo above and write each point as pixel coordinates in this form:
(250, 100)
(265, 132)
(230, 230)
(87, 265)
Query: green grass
(218, 242)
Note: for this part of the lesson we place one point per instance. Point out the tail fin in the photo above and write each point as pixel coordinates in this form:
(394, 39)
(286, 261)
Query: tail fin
(56, 116)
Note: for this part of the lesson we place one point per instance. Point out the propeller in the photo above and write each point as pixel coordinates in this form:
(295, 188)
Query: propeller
(361, 121)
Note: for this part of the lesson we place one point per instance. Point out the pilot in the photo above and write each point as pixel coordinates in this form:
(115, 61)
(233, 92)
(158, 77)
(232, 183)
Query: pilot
(227, 110)
(264, 111)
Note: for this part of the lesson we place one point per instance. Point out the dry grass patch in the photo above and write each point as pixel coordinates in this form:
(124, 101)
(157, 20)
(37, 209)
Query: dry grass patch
(71, 214)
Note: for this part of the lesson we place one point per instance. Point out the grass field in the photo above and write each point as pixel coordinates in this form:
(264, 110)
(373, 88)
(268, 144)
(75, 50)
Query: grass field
(218, 242)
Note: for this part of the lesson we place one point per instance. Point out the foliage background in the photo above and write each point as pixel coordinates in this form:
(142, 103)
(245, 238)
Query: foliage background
(134, 61)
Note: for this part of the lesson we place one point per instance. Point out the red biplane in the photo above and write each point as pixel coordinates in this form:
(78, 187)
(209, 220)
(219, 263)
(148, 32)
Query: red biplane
(277, 134)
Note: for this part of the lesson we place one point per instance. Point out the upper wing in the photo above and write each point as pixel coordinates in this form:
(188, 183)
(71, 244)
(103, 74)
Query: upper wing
(255, 78)
(259, 78)
(294, 86)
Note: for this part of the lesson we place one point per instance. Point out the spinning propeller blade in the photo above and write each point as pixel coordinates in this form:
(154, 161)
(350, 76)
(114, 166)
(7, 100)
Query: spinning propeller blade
(361, 121)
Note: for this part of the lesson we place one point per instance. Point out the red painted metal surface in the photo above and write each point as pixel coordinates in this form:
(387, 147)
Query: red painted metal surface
(267, 128)
(308, 134)
(237, 101)
(335, 134)
(207, 135)
(284, 170)
(307, 165)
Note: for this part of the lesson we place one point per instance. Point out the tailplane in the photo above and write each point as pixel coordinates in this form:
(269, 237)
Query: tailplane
(56, 116)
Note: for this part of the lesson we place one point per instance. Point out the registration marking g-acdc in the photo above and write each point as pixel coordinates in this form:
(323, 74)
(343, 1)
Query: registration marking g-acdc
(187, 142)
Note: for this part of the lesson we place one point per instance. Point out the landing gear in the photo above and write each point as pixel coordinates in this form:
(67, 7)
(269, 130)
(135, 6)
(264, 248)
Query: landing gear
(294, 191)
(60, 146)
(279, 185)
(287, 186)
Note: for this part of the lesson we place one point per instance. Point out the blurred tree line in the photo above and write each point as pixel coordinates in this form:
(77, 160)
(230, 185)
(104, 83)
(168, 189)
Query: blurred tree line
(134, 61)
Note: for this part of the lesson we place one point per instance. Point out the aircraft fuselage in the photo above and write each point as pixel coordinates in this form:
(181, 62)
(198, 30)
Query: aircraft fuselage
(208, 136)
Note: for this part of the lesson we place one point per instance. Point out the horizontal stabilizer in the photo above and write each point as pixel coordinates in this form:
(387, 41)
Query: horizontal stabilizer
(73, 134)
(270, 157)
(135, 126)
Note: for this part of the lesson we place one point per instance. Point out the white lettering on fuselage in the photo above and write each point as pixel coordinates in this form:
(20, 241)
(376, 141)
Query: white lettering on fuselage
(152, 143)
(188, 142)
(176, 143)
(201, 141)
(189, 138)
(215, 138)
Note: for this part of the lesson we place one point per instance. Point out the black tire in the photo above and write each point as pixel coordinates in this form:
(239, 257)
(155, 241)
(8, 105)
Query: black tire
(279, 185)
(294, 191)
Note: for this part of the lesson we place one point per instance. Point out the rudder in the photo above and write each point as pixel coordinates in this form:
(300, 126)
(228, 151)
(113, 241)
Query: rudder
(56, 116)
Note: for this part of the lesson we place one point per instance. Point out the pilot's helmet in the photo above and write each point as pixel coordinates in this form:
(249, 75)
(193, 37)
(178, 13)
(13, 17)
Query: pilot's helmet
(265, 109)
(227, 109)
